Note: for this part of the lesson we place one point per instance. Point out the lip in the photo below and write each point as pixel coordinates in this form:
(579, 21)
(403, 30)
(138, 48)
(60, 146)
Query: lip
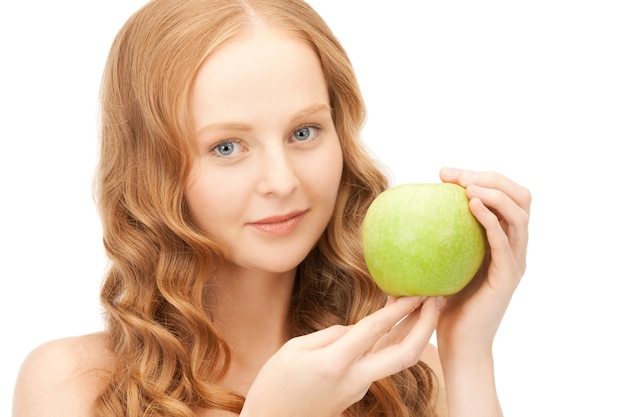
(280, 224)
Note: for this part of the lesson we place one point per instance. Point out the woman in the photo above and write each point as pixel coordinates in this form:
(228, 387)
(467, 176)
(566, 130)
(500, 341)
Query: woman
(232, 187)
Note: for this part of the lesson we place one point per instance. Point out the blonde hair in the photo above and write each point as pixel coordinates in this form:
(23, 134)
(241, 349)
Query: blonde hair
(169, 358)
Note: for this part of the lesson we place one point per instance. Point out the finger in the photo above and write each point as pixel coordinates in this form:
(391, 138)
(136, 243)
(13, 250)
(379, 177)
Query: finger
(505, 256)
(502, 204)
(407, 351)
(512, 219)
(363, 335)
(496, 235)
(320, 338)
(489, 179)
(399, 331)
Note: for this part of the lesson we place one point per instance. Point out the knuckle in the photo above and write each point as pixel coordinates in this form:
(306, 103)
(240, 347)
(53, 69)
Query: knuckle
(293, 344)
(378, 329)
(525, 218)
(331, 370)
(372, 326)
(410, 359)
(492, 175)
(526, 197)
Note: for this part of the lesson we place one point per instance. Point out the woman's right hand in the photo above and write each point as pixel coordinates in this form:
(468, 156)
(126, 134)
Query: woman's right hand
(323, 373)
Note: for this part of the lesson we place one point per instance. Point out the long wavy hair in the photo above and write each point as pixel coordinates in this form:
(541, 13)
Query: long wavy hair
(169, 359)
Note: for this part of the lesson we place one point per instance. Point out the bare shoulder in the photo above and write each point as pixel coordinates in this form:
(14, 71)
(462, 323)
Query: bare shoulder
(62, 377)
(430, 356)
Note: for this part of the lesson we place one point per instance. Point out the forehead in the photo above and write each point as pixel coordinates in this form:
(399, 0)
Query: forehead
(264, 67)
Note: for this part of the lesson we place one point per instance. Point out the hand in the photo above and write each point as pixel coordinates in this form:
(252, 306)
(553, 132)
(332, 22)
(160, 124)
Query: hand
(471, 318)
(324, 373)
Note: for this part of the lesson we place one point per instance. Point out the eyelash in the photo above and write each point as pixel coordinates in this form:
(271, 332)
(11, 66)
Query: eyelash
(213, 149)
(314, 126)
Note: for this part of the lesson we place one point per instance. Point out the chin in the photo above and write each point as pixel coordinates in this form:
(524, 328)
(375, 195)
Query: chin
(275, 263)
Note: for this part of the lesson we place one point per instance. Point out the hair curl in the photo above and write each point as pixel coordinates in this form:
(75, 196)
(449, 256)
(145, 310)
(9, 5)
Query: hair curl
(169, 357)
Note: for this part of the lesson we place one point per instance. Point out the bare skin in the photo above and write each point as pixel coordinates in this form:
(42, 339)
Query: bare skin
(63, 377)
(322, 373)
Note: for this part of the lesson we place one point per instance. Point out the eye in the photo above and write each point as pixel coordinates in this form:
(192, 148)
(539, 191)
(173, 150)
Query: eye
(226, 148)
(305, 133)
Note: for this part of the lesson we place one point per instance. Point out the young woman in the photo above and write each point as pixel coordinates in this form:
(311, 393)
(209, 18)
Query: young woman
(232, 186)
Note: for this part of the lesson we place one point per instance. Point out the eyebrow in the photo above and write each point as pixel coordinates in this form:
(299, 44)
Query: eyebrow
(314, 108)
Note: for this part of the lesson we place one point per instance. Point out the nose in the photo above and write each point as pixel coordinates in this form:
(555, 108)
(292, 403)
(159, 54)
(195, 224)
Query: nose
(278, 177)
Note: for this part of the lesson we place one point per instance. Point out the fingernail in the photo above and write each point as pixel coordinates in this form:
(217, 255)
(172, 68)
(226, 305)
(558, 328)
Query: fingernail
(449, 172)
(419, 300)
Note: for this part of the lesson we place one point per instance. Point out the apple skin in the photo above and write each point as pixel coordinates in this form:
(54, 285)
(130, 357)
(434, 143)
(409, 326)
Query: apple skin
(422, 239)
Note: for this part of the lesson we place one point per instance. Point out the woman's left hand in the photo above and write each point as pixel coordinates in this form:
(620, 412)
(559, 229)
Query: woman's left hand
(471, 318)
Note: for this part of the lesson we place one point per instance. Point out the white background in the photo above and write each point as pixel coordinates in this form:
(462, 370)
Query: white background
(533, 89)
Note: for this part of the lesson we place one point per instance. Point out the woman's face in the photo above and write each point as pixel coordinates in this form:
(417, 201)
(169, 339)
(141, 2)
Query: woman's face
(264, 185)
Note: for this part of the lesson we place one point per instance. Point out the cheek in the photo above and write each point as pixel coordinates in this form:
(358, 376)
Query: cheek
(325, 174)
(210, 199)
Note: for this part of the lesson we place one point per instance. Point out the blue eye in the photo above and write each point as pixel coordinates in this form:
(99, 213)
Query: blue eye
(226, 148)
(305, 133)
(302, 134)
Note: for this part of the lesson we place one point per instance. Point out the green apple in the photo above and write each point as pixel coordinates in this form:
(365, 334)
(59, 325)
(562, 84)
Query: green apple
(422, 239)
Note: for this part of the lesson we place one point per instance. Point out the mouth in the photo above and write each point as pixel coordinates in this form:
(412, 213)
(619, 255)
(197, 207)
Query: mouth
(279, 225)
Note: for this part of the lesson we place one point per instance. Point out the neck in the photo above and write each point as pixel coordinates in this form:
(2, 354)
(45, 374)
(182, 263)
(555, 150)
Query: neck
(249, 310)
